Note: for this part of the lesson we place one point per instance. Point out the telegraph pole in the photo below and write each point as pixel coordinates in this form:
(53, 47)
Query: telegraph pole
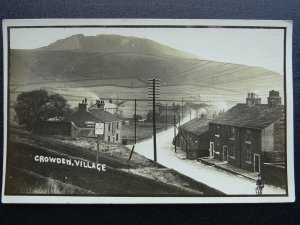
(154, 121)
(153, 91)
(135, 121)
(175, 131)
(182, 107)
(166, 116)
(98, 137)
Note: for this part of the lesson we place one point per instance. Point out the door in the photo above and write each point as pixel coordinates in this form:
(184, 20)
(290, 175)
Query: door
(256, 163)
(225, 153)
(211, 149)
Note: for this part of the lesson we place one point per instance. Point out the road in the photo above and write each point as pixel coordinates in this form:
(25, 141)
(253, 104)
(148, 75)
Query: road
(227, 183)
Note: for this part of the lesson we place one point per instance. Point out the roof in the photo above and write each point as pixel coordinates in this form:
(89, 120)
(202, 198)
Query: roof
(104, 116)
(196, 126)
(256, 116)
(80, 117)
(107, 105)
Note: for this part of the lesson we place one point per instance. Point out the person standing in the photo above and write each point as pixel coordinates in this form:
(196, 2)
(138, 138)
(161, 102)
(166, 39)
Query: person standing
(259, 185)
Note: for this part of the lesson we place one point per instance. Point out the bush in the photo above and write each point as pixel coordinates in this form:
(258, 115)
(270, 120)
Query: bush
(38, 105)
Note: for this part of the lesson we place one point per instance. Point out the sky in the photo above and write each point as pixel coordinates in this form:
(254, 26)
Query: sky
(252, 47)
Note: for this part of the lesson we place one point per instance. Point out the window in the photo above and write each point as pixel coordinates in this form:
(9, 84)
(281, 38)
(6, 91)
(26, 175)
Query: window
(232, 133)
(232, 152)
(248, 154)
(211, 149)
(248, 136)
(117, 137)
(108, 138)
(109, 127)
(117, 125)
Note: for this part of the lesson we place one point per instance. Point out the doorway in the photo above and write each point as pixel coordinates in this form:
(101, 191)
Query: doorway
(211, 149)
(225, 153)
(256, 163)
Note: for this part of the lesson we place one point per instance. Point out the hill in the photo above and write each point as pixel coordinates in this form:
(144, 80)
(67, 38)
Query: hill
(91, 62)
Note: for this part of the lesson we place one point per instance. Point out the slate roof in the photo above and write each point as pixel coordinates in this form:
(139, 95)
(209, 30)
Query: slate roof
(196, 126)
(104, 116)
(80, 117)
(255, 116)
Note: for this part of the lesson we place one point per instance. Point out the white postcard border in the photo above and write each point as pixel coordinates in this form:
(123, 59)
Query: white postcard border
(164, 200)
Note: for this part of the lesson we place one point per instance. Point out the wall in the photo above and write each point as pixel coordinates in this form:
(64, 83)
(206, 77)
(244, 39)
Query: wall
(274, 174)
(55, 128)
(110, 134)
(279, 136)
(273, 142)
(235, 157)
(255, 147)
(197, 145)
(267, 142)
(224, 138)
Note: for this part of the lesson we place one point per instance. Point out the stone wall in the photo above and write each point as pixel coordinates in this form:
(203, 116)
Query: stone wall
(274, 173)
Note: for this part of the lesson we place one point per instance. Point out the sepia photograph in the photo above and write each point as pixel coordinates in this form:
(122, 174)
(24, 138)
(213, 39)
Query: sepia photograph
(147, 111)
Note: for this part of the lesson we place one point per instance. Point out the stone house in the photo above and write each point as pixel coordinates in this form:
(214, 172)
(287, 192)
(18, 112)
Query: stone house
(85, 120)
(251, 134)
(193, 137)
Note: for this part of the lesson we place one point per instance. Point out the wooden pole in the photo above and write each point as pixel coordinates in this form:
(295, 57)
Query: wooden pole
(135, 121)
(175, 131)
(166, 116)
(98, 137)
(182, 107)
(154, 119)
(131, 152)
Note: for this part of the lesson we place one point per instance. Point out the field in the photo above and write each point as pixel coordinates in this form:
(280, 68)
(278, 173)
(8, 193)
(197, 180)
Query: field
(219, 98)
(143, 130)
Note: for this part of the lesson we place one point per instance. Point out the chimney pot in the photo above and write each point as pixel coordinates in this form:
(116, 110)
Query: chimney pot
(274, 98)
(253, 99)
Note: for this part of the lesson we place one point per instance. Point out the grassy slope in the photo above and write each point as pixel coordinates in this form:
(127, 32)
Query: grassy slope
(122, 178)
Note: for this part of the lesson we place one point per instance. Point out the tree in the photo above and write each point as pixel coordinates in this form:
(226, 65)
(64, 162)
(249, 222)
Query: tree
(38, 105)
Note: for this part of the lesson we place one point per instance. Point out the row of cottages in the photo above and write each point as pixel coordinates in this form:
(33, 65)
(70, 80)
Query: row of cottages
(251, 134)
(85, 119)
(193, 137)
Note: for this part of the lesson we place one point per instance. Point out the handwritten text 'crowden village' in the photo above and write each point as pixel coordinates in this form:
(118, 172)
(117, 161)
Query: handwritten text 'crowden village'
(70, 162)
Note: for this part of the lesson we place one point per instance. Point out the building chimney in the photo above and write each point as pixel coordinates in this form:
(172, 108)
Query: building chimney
(100, 104)
(253, 99)
(83, 106)
(274, 99)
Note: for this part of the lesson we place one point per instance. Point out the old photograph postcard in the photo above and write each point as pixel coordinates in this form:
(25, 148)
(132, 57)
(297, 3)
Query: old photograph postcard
(147, 111)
